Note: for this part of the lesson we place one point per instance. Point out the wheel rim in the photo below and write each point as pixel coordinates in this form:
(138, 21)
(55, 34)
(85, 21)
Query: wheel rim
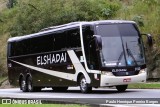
(23, 83)
(83, 84)
(29, 85)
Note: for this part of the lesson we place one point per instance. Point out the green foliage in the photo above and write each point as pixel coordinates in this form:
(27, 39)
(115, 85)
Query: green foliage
(33, 15)
(110, 10)
(139, 20)
(30, 16)
(145, 86)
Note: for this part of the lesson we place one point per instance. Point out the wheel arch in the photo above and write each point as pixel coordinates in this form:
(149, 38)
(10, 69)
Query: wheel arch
(78, 77)
(28, 75)
(88, 79)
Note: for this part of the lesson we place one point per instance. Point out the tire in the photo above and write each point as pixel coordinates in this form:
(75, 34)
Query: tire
(84, 87)
(23, 85)
(30, 86)
(59, 89)
(121, 88)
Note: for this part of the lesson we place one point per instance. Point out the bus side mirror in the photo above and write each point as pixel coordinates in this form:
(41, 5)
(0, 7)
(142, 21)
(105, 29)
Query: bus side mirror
(98, 41)
(149, 39)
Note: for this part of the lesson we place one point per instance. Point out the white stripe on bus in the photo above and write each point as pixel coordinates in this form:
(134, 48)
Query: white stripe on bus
(50, 72)
(78, 67)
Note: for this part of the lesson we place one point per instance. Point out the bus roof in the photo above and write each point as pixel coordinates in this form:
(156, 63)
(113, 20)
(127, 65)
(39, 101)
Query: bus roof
(64, 26)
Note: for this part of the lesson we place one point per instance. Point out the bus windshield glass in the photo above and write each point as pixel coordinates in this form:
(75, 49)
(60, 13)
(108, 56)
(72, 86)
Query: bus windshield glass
(121, 45)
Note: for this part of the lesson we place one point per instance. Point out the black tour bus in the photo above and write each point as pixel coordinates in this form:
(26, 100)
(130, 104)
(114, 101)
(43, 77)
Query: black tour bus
(86, 54)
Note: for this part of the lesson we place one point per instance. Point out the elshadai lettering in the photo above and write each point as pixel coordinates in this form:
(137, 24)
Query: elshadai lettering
(51, 59)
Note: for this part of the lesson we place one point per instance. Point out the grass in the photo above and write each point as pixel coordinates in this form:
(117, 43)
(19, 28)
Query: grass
(154, 85)
(2, 79)
(44, 105)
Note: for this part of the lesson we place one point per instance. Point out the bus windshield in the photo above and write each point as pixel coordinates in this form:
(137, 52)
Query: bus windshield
(121, 45)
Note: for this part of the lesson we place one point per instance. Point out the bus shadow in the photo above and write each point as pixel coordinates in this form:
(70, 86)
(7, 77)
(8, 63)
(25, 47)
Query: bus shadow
(93, 91)
(99, 91)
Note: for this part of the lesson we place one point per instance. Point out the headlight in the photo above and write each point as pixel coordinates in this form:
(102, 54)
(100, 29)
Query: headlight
(108, 73)
(142, 71)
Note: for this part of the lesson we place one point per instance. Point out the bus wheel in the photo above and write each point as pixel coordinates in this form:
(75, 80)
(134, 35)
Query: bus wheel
(84, 86)
(59, 89)
(23, 85)
(121, 88)
(29, 84)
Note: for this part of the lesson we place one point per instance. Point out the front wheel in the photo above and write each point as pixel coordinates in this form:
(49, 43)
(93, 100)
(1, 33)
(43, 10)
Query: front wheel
(84, 87)
(121, 88)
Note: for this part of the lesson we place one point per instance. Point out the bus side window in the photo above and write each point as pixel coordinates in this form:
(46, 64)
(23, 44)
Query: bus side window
(25, 46)
(34, 45)
(73, 38)
(12, 49)
(9, 50)
(59, 40)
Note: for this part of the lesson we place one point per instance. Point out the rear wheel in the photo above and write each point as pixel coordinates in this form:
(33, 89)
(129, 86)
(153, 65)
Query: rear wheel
(23, 85)
(84, 87)
(30, 86)
(59, 89)
(121, 88)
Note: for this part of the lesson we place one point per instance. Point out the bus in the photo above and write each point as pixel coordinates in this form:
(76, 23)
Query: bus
(91, 54)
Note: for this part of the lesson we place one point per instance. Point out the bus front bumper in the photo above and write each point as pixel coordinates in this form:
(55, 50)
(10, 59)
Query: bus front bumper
(108, 79)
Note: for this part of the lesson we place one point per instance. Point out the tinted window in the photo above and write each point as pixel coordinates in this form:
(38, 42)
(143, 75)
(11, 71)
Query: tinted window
(25, 47)
(20, 48)
(12, 49)
(59, 40)
(41, 44)
(127, 30)
(56, 41)
(73, 38)
(116, 30)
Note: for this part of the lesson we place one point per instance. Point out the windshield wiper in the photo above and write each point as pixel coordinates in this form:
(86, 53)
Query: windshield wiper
(130, 53)
(119, 58)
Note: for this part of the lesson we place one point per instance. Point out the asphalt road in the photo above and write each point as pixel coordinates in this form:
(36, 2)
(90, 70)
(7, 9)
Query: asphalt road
(98, 96)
